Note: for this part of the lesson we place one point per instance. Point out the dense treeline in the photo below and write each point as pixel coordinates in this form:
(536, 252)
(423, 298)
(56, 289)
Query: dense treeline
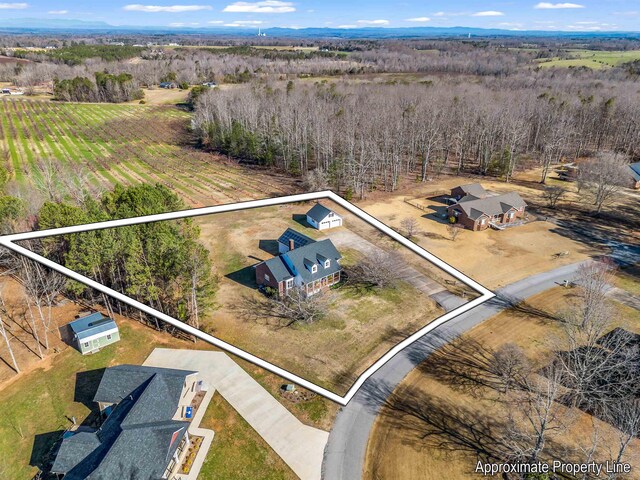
(77, 54)
(160, 264)
(363, 136)
(240, 63)
(106, 88)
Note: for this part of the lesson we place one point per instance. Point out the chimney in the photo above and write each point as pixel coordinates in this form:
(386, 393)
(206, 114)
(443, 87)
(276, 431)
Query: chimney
(291, 244)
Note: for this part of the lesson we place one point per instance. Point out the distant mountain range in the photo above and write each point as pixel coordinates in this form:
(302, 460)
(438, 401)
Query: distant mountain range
(41, 25)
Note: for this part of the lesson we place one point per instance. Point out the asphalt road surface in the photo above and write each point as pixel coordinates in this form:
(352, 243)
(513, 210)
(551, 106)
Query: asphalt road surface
(345, 451)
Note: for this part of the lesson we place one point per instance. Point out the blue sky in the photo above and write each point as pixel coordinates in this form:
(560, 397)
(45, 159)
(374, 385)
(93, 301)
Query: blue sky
(572, 15)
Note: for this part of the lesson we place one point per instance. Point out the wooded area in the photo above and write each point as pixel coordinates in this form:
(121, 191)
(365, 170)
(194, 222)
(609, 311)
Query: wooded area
(363, 136)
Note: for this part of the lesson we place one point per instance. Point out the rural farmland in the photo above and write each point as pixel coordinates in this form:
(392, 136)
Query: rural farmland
(128, 144)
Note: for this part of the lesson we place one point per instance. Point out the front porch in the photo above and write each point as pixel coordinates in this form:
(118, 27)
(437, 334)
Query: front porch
(191, 454)
(321, 284)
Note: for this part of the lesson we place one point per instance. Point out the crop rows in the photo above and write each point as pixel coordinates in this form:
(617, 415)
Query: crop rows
(124, 144)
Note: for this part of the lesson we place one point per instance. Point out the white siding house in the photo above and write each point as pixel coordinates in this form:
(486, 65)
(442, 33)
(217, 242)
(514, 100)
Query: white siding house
(322, 218)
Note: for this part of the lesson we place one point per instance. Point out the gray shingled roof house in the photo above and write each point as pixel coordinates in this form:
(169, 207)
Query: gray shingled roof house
(322, 218)
(143, 435)
(477, 209)
(313, 267)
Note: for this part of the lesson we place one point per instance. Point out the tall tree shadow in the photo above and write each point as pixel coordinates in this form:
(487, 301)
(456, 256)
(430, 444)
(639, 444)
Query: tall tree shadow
(428, 421)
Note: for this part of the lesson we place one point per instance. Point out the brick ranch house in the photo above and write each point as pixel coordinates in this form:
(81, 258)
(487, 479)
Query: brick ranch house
(476, 209)
(313, 267)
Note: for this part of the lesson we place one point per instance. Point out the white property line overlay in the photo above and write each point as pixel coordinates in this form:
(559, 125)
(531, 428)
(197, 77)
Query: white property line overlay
(8, 242)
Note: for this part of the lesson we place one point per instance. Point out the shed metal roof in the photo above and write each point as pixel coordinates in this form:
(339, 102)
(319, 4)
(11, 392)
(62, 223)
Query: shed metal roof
(91, 325)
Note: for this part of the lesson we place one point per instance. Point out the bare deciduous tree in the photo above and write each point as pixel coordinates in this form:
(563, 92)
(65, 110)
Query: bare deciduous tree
(624, 414)
(453, 230)
(603, 176)
(553, 194)
(377, 270)
(4, 334)
(535, 416)
(410, 226)
(510, 365)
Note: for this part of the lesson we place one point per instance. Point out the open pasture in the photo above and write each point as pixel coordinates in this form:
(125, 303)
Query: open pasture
(594, 59)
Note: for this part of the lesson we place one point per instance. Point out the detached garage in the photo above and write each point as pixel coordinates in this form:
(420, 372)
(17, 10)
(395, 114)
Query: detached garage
(322, 218)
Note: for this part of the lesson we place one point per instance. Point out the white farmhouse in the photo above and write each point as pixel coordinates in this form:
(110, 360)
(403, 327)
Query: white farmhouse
(322, 218)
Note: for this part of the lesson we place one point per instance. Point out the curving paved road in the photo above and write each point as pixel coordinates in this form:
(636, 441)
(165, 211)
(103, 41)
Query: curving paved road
(345, 451)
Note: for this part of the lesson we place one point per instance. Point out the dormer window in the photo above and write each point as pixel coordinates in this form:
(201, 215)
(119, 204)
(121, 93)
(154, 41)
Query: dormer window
(314, 268)
(327, 262)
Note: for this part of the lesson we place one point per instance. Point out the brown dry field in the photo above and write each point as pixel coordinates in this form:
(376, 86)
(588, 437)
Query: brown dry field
(163, 96)
(493, 258)
(399, 447)
(317, 412)
(357, 329)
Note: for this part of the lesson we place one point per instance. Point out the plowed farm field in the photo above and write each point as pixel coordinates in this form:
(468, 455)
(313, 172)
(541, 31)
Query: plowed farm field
(106, 144)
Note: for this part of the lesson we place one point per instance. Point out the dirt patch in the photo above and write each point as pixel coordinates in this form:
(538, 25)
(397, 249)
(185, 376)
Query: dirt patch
(493, 258)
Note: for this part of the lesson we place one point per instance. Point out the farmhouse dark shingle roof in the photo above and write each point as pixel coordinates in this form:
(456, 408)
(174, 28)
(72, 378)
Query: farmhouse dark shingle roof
(297, 261)
(139, 437)
(318, 212)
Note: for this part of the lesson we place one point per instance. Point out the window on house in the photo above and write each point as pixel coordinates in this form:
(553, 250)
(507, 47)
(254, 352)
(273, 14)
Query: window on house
(314, 268)
(266, 278)
(290, 283)
(86, 344)
(108, 337)
(327, 263)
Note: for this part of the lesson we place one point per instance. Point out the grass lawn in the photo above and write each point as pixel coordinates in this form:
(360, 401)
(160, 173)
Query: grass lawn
(237, 451)
(357, 327)
(595, 59)
(36, 408)
(435, 427)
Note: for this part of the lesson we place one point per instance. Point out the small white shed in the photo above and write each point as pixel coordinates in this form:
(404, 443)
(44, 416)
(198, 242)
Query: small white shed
(322, 218)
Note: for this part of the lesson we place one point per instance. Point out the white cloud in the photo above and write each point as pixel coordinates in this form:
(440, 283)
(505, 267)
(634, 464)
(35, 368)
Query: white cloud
(439, 14)
(265, 6)
(243, 23)
(168, 8)
(373, 22)
(13, 6)
(586, 23)
(510, 24)
(488, 13)
(177, 24)
(215, 22)
(347, 26)
(418, 19)
(551, 6)
(58, 12)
